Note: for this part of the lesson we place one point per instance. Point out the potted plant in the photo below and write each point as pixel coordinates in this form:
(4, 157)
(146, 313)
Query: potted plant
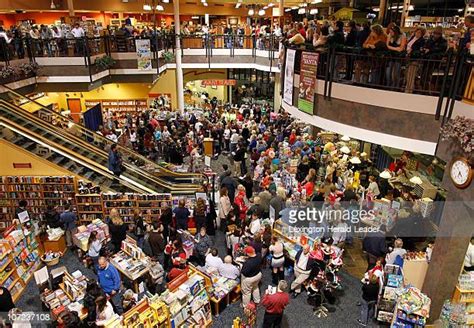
(168, 56)
(104, 62)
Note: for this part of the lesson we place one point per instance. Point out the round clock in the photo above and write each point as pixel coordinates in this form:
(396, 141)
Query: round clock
(461, 172)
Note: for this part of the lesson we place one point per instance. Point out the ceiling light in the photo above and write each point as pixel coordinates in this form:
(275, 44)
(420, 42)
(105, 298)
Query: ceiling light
(287, 10)
(271, 4)
(205, 4)
(265, 8)
(146, 7)
(294, 7)
(238, 4)
(160, 8)
(303, 5)
(165, 1)
(301, 11)
(251, 12)
(376, 9)
(313, 11)
(317, 1)
(261, 12)
(194, 17)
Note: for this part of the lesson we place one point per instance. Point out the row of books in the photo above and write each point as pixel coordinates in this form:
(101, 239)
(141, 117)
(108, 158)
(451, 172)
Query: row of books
(37, 179)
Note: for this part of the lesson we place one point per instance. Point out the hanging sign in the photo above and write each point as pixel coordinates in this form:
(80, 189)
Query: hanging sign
(309, 67)
(289, 75)
(207, 83)
(143, 54)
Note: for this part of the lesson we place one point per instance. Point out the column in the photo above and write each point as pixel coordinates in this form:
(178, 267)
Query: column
(405, 12)
(179, 68)
(70, 7)
(281, 12)
(382, 10)
(276, 93)
(455, 230)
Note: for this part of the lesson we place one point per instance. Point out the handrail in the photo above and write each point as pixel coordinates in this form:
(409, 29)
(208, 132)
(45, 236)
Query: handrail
(163, 184)
(92, 134)
(76, 156)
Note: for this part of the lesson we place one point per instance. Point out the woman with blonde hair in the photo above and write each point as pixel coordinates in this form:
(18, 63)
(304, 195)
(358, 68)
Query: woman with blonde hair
(117, 230)
(224, 207)
(200, 213)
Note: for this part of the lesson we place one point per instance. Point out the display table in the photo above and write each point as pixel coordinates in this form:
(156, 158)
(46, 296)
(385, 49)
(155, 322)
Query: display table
(55, 246)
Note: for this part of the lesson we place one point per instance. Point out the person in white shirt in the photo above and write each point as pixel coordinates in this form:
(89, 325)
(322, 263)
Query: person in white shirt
(398, 250)
(104, 310)
(4, 35)
(228, 270)
(77, 31)
(255, 224)
(469, 258)
(213, 260)
(303, 265)
(373, 186)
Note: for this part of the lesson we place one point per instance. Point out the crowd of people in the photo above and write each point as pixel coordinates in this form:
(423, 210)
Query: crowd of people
(275, 163)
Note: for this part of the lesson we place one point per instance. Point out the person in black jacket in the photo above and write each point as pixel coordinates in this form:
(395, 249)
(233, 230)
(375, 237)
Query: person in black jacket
(370, 294)
(117, 230)
(240, 166)
(92, 292)
(363, 34)
(337, 38)
(374, 245)
(351, 41)
(51, 217)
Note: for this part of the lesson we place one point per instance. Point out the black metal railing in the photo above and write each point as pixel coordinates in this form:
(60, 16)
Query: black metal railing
(447, 76)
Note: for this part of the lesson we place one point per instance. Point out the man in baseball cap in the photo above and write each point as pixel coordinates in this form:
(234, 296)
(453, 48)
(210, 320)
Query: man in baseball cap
(251, 276)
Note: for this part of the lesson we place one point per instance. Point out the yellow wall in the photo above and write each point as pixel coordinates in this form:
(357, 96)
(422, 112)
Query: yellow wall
(14, 154)
(165, 84)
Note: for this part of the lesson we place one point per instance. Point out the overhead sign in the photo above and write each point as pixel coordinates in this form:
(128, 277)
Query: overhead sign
(309, 68)
(208, 83)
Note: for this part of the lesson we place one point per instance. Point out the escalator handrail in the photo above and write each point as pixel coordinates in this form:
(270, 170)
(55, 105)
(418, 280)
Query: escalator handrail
(73, 155)
(161, 182)
(95, 135)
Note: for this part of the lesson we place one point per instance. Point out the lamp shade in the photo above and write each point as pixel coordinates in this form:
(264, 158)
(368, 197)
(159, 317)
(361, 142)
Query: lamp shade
(355, 160)
(385, 175)
(416, 180)
(301, 11)
(345, 150)
(251, 12)
(345, 138)
(261, 12)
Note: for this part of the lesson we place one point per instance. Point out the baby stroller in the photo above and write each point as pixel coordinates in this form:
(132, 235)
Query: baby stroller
(321, 295)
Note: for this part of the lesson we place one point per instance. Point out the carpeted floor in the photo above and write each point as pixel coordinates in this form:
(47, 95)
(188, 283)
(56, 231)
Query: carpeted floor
(297, 314)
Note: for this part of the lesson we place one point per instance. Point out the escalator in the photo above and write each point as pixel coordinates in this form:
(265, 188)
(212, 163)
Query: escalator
(72, 142)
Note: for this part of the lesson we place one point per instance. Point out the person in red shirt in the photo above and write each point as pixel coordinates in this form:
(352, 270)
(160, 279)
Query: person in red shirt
(274, 305)
(292, 139)
(301, 30)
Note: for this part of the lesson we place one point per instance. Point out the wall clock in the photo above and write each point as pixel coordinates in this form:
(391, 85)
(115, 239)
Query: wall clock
(461, 172)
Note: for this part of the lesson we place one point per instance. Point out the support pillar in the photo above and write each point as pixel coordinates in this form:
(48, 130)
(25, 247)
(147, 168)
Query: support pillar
(70, 7)
(405, 12)
(281, 12)
(179, 68)
(455, 230)
(382, 10)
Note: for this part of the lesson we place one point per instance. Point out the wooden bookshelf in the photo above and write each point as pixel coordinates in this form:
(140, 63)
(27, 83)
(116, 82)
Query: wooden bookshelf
(19, 259)
(119, 107)
(98, 206)
(38, 191)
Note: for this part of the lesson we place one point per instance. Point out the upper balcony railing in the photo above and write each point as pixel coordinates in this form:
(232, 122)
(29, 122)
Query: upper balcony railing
(447, 75)
(443, 75)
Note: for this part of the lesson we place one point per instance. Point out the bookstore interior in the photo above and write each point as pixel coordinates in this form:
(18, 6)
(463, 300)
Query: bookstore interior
(196, 200)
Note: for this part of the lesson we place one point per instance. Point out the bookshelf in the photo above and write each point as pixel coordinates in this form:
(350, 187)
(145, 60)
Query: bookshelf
(98, 206)
(38, 191)
(19, 259)
(119, 108)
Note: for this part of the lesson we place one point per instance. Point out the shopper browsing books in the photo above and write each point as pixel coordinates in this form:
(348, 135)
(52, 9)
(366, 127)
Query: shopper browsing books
(202, 246)
(228, 269)
(303, 265)
(110, 282)
(251, 276)
(94, 247)
(68, 219)
(213, 260)
(104, 311)
(117, 229)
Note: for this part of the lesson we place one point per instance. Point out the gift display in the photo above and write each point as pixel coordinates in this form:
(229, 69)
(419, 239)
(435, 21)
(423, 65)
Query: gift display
(413, 308)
